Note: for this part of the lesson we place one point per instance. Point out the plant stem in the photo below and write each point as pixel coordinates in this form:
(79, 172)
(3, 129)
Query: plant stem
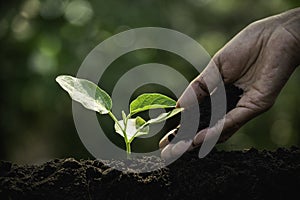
(128, 148)
(125, 122)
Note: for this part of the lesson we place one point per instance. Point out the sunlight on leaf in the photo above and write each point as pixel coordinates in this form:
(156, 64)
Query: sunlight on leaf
(86, 93)
(132, 126)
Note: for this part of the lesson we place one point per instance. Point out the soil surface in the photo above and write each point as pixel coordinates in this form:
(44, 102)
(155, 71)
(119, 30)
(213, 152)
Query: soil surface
(247, 174)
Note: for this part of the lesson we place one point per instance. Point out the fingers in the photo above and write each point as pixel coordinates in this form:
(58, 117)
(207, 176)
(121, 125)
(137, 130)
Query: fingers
(208, 137)
(187, 128)
(201, 86)
(235, 119)
(175, 150)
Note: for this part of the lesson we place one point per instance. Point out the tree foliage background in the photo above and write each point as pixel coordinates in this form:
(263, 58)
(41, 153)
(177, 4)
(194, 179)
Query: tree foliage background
(41, 39)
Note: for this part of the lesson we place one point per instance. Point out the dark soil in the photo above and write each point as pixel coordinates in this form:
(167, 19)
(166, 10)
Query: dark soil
(248, 174)
(233, 95)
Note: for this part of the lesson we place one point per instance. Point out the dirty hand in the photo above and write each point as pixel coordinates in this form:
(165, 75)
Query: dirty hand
(260, 60)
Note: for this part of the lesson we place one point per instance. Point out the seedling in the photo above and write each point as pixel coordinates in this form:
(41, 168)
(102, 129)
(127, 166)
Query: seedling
(94, 98)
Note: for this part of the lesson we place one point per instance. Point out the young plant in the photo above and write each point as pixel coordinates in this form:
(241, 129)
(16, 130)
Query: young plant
(94, 98)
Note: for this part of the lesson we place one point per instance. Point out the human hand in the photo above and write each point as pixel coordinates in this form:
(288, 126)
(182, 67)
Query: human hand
(259, 60)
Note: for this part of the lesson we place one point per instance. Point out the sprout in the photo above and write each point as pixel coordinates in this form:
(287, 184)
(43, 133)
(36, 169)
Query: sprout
(94, 98)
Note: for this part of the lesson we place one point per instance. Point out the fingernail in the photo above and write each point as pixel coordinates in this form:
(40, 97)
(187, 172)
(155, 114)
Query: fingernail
(163, 143)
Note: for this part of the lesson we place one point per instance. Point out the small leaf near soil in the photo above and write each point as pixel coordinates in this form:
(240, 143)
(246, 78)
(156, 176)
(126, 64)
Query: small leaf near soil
(132, 127)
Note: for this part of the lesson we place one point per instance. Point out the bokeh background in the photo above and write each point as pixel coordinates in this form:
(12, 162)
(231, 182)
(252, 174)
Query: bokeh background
(41, 39)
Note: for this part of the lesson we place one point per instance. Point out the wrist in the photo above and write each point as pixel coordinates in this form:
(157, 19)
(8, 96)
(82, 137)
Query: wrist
(290, 23)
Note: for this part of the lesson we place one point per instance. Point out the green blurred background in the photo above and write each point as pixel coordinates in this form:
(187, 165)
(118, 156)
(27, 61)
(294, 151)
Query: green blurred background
(41, 39)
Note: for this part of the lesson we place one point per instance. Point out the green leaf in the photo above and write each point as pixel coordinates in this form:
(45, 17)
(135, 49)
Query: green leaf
(164, 116)
(87, 93)
(151, 101)
(139, 122)
(132, 126)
